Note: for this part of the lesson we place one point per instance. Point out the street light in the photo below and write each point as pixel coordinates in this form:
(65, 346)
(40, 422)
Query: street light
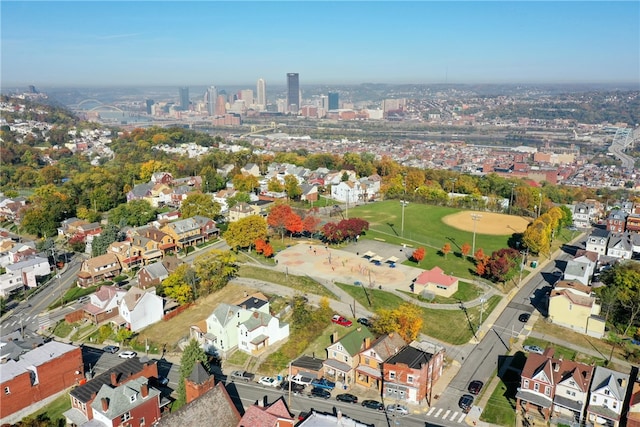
(475, 218)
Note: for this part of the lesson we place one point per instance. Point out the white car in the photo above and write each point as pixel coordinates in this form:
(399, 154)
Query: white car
(398, 409)
(533, 349)
(127, 354)
(268, 381)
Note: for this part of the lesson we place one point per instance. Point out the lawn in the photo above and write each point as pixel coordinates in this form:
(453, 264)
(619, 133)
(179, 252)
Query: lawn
(299, 283)
(501, 406)
(379, 299)
(566, 353)
(54, 410)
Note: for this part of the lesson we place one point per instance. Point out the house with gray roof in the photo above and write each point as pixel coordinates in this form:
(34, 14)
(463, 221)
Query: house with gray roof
(580, 271)
(152, 275)
(606, 398)
(140, 191)
(597, 241)
(260, 331)
(620, 246)
(133, 403)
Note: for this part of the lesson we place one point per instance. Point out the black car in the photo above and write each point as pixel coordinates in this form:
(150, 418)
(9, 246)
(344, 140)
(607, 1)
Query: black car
(365, 322)
(475, 386)
(320, 392)
(295, 387)
(346, 397)
(524, 317)
(465, 403)
(373, 404)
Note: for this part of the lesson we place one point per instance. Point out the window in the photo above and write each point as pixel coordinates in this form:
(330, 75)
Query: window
(525, 384)
(366, 360)
(607, 392)
(392, 375)
(132, 398)
(346, 358)
(614, 404)
(410, 379)
(7, 391)
(547, 391)
(536, 387)
(125, 417)
(142, 421)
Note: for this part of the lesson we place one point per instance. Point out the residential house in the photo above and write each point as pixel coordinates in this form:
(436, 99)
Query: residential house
(160, 195)
(309, 192)
(199, 382)
(616, 221)
(583, 215)
(169, 216)
(410, 374)
(10, 208)
(149, 249)
(308, 366)
(221, 334)
(165, 242)
(214, 405)
(140, 308)
(242, 210)
(185, 232)
(574, 305)
(68, 227)
(343, 355)
(23, 273)
(349, 192)
(20, 252)
(369, 370)
(152, 275)
(597, 241)
(179, 194)
(570, 399)
(84, 395)
(633, 414)
(97, 269)
(251, 169)
(606, 398)
(103, 304)
(162, 178)
(88, 229)
(225, 169)
(580, 271)
(134, 404)
(325, 419)
(620, 246)
(37, 375)
(633, 223)
(260, 331)
(140, 191)
(191, 181)
(129, 255)
(537, 386)
(263, 414)
(435, 282)
(208, 227)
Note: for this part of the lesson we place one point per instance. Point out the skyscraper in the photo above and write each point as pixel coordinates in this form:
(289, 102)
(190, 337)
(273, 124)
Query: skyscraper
(262, 94)
(293, 93)
(149, 103)
(333, 101)
(210, 99)
(184, 98)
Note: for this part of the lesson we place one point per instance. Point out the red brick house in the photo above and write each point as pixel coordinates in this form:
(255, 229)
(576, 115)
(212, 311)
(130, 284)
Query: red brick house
(37, 375)
(410, 374)
(198, 383)
(262, 414)
(537, 385)
(133, 404)
(83, 396)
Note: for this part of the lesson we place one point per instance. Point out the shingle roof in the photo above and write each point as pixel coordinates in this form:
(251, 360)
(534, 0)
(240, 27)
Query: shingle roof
(121, 397)
(199, 374)
(410, 356)
(266, 416)
(353, 342)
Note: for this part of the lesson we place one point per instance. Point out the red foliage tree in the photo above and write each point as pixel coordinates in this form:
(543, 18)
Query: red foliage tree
(260, 245)
(267, 251)
(277, 218)
(418, 254)
(446, 249)
(310, 224)
(465, 249)
(293, 223)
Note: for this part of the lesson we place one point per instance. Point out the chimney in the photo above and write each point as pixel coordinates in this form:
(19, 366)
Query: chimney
(144, 390)
(114, 379)
(105, 404)
(262, 403)
(334, 337)
(367, 342)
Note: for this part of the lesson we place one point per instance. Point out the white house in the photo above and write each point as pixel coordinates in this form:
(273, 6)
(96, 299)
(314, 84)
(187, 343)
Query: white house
(583, 215)
(222, 325)
(23, 273)
(259, 331)
(579, 271)
(597, 241)
(608, 390)
(348, 191)
(140, 308)
(620, 246)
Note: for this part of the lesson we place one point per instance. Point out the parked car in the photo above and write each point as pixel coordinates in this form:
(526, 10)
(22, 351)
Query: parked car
(295, 387)
(373, 404)
(365, 322)
(242, 376)
(323, 383)
(303, 415)
(127, 354)
(347, 397)
(398, 409)
(301, 379)
(475, 386)
(113, 349)
(162, 380)
(320, 392)
(465, 403)
(533, 349)
(524, 317)
(268, 381)
(341, 320)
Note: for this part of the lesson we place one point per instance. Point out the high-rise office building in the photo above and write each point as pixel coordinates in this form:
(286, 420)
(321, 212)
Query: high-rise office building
(184, 98)
(293, 93)
(261, 90)
(247, 96)
(210, 99)
(149, 103)
(333, 101)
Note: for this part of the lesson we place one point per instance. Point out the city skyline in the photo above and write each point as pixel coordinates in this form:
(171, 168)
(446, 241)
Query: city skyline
(171, 43)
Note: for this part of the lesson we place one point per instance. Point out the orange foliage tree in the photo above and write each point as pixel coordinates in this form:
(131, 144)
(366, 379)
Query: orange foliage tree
(465, 249)
(418, 254)
(446, 249)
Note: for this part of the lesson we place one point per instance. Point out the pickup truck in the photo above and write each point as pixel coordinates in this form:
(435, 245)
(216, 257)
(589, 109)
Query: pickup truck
(242, 376)
(323, 383)
(301, 379)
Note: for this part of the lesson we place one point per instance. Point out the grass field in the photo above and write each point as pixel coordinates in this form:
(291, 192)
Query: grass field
(501, 406)
(299, 283)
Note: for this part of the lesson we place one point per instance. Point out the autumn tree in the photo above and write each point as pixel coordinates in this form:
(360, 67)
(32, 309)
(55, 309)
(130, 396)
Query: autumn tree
(244, 232)
(310, 224)
(406, 320)
(537, 237)
(292, 187)
(503, 265)
(199, 204)
(446, 248)
(465, 249)
(176, 286)
(275, 185)
(294, 224)
(214, 270)
(278, 218)
(625, 278)
(419, 254)
(245, 182)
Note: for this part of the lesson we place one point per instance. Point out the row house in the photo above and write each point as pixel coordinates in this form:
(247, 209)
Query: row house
(133, 404)
(264, 414)
(157, 240)
(616, 221)
(83, 396)
(97, 269)
(410, 374)
(343, 355)
(597, 241)
(243, 210)
(607, 397)
(185, 232)
(573, 305)
(369, 369)
(37, 375)
(149, 249)
(103, 304)
(129, 255)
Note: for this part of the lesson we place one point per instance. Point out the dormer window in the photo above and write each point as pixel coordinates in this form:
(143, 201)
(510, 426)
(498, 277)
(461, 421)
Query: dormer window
(132, 398)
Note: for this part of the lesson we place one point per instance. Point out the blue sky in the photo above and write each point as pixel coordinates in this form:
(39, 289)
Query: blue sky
(222, 43)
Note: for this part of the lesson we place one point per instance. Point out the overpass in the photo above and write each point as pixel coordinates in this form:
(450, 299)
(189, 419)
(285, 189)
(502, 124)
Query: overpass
(623, 139)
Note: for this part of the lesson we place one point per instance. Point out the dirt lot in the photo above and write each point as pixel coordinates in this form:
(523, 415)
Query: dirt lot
(489, 223)
(171, 331)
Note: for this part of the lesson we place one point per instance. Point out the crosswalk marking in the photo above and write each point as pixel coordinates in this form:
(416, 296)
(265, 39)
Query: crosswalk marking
(433, 408)
(453, 416)
(462, 417)
(438, 413)
(446, 414)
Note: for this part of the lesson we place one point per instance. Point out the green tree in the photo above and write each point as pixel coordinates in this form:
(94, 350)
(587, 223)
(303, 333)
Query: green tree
(199, 204)
(292, 187)
(177, 287)
(238, 197)
(214, 270)
(275, 185)
(244, 232)
(245, 182)
(123, 335)
(191, 355)
(134, 213)
(625, 278)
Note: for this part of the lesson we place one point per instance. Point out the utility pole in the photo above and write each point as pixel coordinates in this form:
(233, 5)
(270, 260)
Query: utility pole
(404, 197)
(482, 301)
(511, 199)
(475, 218)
